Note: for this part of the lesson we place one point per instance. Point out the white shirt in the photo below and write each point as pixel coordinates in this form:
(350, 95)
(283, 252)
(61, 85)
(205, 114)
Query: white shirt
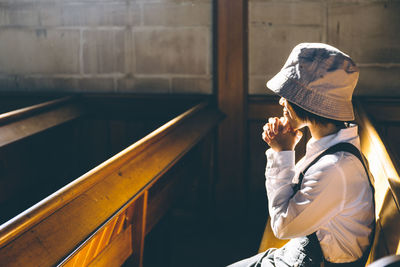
(335, 198)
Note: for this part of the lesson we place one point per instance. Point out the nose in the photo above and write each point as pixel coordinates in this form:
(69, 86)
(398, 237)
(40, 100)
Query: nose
(282, 101)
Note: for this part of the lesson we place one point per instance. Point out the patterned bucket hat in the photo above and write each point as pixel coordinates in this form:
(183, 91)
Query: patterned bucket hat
(320, 79)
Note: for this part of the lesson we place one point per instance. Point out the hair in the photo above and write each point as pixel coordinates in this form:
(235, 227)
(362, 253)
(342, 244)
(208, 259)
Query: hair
(308, 116)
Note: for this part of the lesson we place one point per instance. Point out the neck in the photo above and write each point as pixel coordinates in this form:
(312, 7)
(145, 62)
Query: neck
(321, 130)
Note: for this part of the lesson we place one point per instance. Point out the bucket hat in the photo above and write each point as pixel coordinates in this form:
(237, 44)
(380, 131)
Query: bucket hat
(320, 79)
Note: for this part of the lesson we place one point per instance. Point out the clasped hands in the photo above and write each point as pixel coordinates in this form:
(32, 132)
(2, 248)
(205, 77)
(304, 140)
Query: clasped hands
(279, 135)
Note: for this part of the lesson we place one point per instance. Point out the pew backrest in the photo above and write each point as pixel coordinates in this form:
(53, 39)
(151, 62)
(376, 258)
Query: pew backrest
(102, 217)
(24, 122)
(384, 167)
(29, 137)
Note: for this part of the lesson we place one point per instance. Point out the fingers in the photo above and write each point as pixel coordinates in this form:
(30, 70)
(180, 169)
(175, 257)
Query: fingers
(265, 138)
(279, 134)
(271, 123)
(286, 127)
(274, 127)
(268, 134)
(275, 124)
(268, 130)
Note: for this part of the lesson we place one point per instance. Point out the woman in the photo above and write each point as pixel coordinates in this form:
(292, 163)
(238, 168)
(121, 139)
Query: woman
(324, 203)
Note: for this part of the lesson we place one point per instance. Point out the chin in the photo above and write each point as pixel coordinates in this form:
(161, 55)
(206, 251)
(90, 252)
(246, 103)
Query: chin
(295, 126)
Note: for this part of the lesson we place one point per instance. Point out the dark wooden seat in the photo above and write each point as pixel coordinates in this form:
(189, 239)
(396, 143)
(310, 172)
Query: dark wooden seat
(385, 170)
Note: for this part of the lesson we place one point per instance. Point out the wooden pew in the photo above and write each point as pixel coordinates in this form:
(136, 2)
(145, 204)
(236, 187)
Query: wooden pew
(28, 136)
(45, 146)
(18, 100)
(102, 217)
(384, 167)
(24, 122)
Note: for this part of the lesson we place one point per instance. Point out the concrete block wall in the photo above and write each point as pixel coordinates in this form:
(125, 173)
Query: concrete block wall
(367, 30)
(146, 46)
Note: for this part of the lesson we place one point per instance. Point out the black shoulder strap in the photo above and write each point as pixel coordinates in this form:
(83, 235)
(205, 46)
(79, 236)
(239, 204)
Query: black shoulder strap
(346, 147)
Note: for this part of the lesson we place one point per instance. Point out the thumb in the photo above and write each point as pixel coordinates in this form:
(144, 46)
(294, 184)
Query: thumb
(286, 127)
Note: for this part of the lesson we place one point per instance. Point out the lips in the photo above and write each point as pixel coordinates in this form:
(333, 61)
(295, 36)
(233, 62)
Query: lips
(285, 113)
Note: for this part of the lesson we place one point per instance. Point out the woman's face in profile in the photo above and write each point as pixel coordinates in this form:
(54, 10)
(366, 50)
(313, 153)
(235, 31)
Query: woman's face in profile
(290, 115)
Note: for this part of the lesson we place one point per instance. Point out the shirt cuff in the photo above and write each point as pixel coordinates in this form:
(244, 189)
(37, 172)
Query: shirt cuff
(280, 160)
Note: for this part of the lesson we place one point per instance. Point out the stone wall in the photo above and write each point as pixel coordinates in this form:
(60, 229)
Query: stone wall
(165, 46)
(145, 46)
(367, 30)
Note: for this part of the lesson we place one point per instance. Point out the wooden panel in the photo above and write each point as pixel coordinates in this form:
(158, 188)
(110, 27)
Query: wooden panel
(380, 161)
(382, 109)
(37, 166)
(22, 128)
(94, 144)
(31, 110)
(95, 245)
(384, 169)
(261, 108)
(389, 217)
(143, 107)
(188, 224)
(167, 189)
(390, 132)
(207, 177)
(74, 212)
(379, 248)
(395, 189)
(10, 101)
(115, 253)
(255, 178)
(118, 138)
(139, 229)
(232, 94)
(387, 233)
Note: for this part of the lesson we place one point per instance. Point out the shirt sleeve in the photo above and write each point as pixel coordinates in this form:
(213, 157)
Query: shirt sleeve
(318, 200)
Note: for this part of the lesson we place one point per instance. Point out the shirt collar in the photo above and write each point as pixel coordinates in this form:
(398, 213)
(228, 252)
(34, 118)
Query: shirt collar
(349, 135)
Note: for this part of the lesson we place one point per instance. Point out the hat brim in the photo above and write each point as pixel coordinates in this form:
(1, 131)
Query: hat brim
(310, 100)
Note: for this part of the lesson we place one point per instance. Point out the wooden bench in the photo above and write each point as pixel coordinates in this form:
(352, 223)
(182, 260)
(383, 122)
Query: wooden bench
(29, 137)
(102, 217)
(46, 145)
(385, 169)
